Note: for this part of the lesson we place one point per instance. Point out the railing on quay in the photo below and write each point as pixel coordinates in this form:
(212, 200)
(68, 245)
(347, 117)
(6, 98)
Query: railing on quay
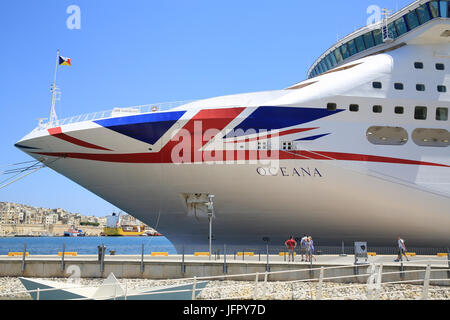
(371, 288)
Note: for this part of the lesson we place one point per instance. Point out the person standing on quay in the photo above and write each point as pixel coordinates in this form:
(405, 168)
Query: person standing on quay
(290, 245)
(303, 248)
(401, 249)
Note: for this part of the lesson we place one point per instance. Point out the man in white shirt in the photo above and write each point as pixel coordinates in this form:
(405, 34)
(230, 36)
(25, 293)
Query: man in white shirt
(303, 246)
(401, 249)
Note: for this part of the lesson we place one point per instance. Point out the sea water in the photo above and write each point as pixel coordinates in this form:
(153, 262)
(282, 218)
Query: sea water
(85, 245)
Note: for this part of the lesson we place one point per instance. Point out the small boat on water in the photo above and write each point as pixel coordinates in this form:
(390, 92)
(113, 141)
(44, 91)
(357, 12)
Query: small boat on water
(114, 228)
(73, 232)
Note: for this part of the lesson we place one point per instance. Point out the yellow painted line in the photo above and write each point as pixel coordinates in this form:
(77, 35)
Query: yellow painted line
(281, 254)
(12, 254)
(373, 254)
(251, 254)
(442, 254)
(74, 254)
(412, 254)
(196, 254)
(160, 254)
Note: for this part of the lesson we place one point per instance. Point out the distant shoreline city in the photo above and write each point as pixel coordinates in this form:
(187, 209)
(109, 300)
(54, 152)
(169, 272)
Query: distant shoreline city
(25, 220)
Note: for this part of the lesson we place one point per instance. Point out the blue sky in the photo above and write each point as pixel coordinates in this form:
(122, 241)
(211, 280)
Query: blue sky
(143, 51)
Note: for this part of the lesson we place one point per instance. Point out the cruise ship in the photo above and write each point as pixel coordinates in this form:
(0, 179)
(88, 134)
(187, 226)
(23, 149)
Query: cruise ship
(359, 151)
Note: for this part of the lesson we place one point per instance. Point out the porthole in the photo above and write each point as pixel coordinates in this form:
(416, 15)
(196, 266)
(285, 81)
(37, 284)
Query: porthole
(354, 108)
(420, 113)
(431, 137)
(418, 65)
(441, 88)
(377, 109)
(287, 145)
(331, 106)
(377, 85)
(420, 87)
(399, 110)
(440, 66)
(398, 86)
(393, 136)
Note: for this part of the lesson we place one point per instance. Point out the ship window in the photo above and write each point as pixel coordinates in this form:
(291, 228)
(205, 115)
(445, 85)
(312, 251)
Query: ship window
(420, 87)
(352, 47)
(392, 30)
(434, 8)
(398, 86)
(360, 44)
(324, 66)
(418, 65)
(338, 55)
(377, 109)
(442, 114)
(431, 137)
(368, 40)
(328, 61)
(333, 59)
(401, 26)
(394, 136)
(354, 108)
(331, 106)
(377, 85)
(440, 66)
(399, 110)
(423, 13)
(345, 52)
(412, 20)
(444, 8)
(378, 36)
(442, 88)
(420, 113)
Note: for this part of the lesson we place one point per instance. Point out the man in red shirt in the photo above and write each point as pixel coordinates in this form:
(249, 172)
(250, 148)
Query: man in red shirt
(290, 245)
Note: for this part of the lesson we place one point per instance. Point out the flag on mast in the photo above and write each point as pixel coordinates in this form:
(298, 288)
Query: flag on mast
(64, 61)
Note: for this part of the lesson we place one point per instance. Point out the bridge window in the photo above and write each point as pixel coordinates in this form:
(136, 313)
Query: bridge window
(442, 89)
(377, 85)
(394, 136)
(392, 30)
(420, 87)
(400, 24)
(412, 20)
(399, 110)
(378, 36)
(431, 137)
(333, 59)
(354, 108)
(444, 9)
(368, 40)
(442, 114)
(440, 66)
(345, 52)
(360, 44)
(423, 13)
(434, 9)
(328, 61)
(398, 86)
(420, 113)
(418, 65)
(377, 109)
(338, 55)
(352, 47)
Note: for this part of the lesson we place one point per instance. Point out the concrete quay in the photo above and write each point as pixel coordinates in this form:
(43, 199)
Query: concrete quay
(172, 267)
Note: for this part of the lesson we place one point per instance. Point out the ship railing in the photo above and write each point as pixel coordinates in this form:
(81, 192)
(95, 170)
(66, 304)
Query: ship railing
(258, 289)
(117, 111)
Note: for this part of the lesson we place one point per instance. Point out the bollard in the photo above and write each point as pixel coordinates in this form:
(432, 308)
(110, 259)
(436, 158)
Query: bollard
(23, 257)
(62, 257)
(426, 283)
(183, 267)
(194, 288)
(319, 289)
(142, 259)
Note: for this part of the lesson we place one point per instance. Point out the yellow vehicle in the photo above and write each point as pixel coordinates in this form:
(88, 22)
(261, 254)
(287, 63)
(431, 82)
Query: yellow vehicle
(125, 231)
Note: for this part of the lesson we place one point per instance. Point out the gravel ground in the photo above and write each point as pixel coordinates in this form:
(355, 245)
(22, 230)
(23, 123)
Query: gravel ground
(10, 288)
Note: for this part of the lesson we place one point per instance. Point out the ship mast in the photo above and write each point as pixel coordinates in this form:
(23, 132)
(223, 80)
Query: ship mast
(56, 93)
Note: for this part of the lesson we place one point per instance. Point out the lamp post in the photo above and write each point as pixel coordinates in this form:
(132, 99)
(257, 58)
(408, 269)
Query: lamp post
(267, 239)
(210, 218)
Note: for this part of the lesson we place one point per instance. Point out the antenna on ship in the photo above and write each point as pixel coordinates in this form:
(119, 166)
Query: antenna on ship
(56, 93)
(387, 35)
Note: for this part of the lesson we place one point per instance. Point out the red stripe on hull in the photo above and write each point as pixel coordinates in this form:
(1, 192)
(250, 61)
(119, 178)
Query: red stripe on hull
(57, 133)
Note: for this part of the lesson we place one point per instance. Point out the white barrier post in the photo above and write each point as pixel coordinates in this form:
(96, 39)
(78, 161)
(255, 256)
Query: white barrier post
(426, 283)
(319, 289)
(265, 285)
(370, 282)
(379, 279)
(255, 290)
(194, 287)
(38, 294)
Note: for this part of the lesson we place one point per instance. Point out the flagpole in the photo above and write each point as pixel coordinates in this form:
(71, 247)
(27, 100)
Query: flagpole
(53, 116)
